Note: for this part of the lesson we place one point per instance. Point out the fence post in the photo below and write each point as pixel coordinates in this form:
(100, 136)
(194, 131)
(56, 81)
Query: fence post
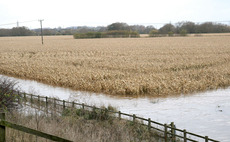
(101, 113)
(55, 109)
(166, 137)
(149, 124)
(2, 129)
(39, 102)
(83, 106)
(206, 138)
(134, 118)
(185, 136)
(94, 113)
(173, 131)
(119, 115)
(31, 100)
(106, 111)
(24, 98)
(83, 109)
(46, 104)
(63, 104)
(19, 98)
(54, 103)
(73, 104)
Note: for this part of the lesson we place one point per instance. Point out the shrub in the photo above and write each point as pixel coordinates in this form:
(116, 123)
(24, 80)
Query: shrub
(7, 95)
(154, 33)
(109, 34)
(134, 34)
(98, 35)
(183, 32)
(170, 33)
(88, 35)
(77, 35)
(117, 34)
(102, 113)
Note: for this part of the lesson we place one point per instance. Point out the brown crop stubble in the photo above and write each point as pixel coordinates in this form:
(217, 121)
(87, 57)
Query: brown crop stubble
(133, 67)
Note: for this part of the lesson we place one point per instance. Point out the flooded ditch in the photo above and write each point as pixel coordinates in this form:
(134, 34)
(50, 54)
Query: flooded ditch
(205, 113)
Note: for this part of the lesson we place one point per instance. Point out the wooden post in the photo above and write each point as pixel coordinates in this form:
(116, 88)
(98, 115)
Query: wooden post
(46, 104)
(55, 106)
(185, 136)
(31, 100)
(149, 124)
(206, 138)
(63, 104)
(173, 132)
(166, 137)
(119, 115)
(83, 109)
(83, 106)
(95, 116)
(2, 129)
(39, 102)
(106, 113)
(134, 118)
(73, 104)
(19, 98)
(25, 98)
(33, 132)
(101, 113)
(54, 103)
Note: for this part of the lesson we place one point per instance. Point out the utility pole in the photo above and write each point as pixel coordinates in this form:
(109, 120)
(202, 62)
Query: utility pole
(41, 30)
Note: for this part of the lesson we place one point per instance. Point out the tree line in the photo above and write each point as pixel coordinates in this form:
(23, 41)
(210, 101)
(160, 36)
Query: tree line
(108, 34)
(170, 29)
(17, 31)
(190, 27)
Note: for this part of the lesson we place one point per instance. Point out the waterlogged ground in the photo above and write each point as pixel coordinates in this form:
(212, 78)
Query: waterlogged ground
(202, 113)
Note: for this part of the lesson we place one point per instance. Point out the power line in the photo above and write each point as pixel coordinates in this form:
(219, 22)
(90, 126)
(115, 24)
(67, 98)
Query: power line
(17, 23)
(29, 21)
(178, 22)
(8, 24)
(157, 23)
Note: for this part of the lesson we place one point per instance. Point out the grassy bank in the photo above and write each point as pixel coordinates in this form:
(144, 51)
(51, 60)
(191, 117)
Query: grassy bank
(77, 128)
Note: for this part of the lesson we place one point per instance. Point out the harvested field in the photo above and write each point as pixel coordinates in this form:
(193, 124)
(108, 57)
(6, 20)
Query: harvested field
(128, 67)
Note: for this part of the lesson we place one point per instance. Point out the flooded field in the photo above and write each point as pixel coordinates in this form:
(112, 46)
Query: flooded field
(202, 113)
(132, 67)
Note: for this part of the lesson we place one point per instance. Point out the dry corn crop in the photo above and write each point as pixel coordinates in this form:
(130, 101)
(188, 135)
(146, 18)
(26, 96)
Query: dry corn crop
(133, 67)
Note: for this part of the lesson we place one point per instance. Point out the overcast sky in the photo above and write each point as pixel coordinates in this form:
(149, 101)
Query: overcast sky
(65, 13)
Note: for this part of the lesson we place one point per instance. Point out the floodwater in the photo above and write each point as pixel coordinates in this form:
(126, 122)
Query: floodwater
(206, 114)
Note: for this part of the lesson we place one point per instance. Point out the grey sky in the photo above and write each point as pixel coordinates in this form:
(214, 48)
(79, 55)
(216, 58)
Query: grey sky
(66, 13)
